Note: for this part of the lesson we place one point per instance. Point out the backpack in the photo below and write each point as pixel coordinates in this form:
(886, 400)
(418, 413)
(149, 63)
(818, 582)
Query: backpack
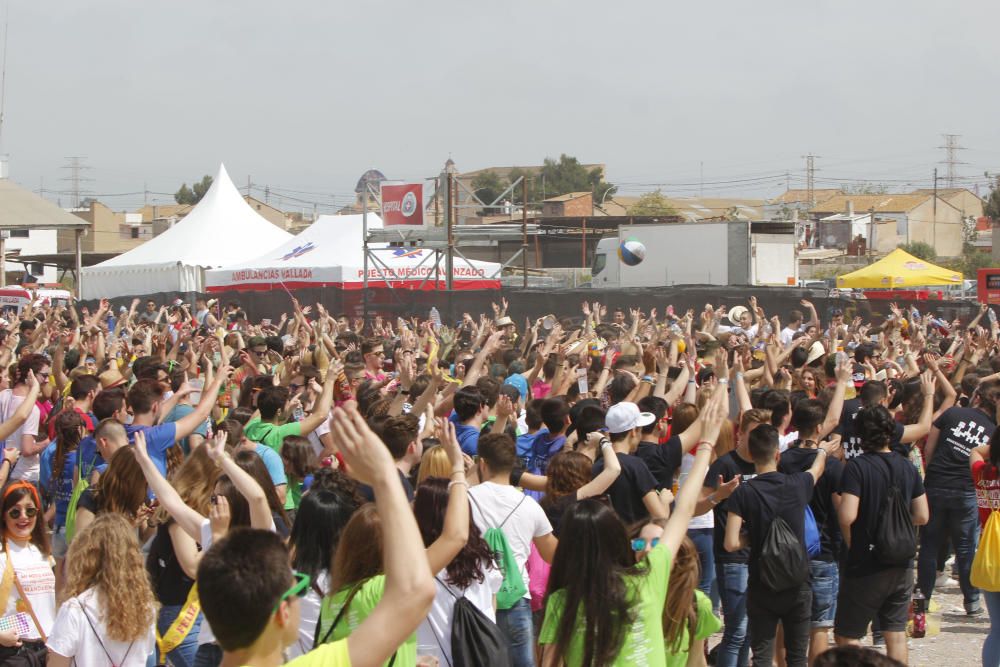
(475, 639)
(80, 484)
(895, 535)
(512, 589)
(811, 533)
(783, 563)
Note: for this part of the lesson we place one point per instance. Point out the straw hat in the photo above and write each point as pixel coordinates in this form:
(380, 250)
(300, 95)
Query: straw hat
(816, 350)
(504, 322)
(111, 378)
(736, 312)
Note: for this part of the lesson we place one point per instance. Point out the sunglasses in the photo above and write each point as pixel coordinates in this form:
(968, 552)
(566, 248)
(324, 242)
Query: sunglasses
(299, 589)
(639, 544)
(15, 513)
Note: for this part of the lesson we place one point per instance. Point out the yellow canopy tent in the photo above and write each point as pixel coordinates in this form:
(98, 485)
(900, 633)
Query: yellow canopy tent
(899, 269)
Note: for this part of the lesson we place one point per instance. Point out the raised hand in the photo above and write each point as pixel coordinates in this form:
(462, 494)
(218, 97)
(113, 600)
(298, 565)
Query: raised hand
(367, 458)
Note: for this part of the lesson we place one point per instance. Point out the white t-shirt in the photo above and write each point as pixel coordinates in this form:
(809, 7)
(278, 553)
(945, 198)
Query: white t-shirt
(787, 335)
(706, 520)
(787, 440)
(39, 583)
(73, 637)
(314, 436)
(27, 466)
(309, 608)
(435, 630)
(492, 503)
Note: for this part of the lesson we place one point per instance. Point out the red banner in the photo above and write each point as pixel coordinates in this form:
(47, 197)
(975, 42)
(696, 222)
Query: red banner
(403, 205)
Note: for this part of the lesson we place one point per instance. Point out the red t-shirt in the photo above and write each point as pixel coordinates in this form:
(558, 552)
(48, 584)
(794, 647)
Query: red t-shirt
(987, 480)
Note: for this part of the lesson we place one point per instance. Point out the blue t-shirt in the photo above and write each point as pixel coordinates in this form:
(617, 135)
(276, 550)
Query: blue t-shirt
(62, 490)
(272, 461)
(180, 412)
(89, 457)
(524, 443)
(158, 440)
(467, 436)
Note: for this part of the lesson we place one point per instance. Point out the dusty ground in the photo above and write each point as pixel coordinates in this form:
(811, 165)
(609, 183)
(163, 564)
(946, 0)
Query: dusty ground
(961, 638)
(959, 643)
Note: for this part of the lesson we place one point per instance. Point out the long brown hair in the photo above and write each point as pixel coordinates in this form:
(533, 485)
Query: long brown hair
(359, 552)
(122, 487)
(68, 436)
(195, 483)
(12, 495)
(106, 557)
(681, 609)
(567, 472)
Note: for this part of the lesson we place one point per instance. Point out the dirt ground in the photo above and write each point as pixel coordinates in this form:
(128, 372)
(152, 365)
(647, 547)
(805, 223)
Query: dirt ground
(960, 642)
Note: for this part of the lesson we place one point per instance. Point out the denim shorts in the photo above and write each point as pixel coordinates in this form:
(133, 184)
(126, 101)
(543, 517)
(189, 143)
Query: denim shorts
(825, 587)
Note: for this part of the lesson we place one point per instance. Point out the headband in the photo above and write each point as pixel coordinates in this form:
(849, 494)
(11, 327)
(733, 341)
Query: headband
(21, 484)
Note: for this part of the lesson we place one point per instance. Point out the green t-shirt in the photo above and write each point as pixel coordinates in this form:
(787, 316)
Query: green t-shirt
(328, 655)
(362, 604)
(643, 646)
(707, 625)
(293, 494)
(269, 434)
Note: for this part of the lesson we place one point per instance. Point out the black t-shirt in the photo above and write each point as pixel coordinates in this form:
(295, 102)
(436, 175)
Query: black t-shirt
(627, 492)
(556, 509)
(867, 477)
(728, 466)
(88, 501)
(662, 460)
(800, 459)
(368, 494)
(770, 495)
(170, 583)
(851, 441)
(962, 430)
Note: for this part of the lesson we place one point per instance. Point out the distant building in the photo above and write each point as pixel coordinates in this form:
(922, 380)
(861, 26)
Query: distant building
(572, 204)
(965, 200)
(692, 209)
(902, 218)
(163, 216)
(110, 231)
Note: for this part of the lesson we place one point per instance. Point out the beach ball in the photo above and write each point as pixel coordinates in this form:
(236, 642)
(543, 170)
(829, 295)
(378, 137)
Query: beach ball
(631, 251)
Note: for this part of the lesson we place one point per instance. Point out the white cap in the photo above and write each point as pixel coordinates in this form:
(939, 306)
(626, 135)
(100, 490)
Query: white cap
(625, 416)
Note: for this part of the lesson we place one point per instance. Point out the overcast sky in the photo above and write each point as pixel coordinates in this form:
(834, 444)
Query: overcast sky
(304, 95)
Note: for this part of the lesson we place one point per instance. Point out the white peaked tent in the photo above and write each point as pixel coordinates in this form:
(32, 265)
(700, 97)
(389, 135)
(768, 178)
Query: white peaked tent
(330, 253)
(220, 230)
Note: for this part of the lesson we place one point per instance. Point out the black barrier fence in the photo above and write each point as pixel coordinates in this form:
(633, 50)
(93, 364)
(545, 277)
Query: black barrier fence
(534, 303)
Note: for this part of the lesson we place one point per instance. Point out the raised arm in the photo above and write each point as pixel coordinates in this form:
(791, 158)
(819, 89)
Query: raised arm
(321, 410)
(260, 511)
(188, 423)
(23, 411)
(455, 532)
(409, 585)
(913, 432)
(836, 406)
(187, 518)
(687, 496)
(607, 477)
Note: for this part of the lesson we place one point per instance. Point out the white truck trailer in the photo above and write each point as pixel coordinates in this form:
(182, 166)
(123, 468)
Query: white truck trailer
(701, 253)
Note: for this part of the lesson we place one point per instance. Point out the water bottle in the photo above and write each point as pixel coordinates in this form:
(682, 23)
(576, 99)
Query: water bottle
(435, 318)
(919, 614)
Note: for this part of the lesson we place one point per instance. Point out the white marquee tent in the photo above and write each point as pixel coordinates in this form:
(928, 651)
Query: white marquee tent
(221, 229)
(330, 253)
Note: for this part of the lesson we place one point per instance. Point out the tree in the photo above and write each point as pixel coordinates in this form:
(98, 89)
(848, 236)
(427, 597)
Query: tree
(556, 177)
(991, 207)
(919, 249)
(652, 203)
(191, 196)
(488, 186)
(866, 188)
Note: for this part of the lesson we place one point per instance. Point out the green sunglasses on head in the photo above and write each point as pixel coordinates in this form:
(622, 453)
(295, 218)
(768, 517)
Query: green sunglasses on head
(299, 589)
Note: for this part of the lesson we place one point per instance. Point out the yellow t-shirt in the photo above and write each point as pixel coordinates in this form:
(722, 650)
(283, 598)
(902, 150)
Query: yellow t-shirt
(328, 655)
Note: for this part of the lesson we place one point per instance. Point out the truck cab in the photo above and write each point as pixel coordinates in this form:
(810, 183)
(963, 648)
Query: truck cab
(604, 272)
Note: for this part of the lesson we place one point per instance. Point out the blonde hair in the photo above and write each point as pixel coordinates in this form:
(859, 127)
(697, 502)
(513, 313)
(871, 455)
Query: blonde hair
(195, 482)
(434, 463)
(106, 557)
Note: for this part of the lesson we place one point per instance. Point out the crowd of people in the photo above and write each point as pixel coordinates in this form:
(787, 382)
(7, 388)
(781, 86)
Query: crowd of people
(183, 486)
